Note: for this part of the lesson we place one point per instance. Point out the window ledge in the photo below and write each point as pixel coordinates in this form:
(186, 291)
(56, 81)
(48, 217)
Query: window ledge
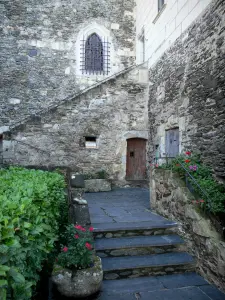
(89, 149)
(159, 13)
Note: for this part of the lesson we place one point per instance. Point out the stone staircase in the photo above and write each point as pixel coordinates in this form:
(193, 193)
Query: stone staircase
(130, 250)
(143, 258)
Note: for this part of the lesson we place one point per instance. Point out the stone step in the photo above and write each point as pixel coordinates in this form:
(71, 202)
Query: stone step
(154, 283)
(146, 265)
(188, 286)
(138, 245)
(124, 229)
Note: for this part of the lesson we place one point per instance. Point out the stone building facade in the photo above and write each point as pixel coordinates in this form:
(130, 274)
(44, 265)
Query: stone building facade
(159, 23)
(42, 50)
(186, 95)
(45, 60)
(88, 133)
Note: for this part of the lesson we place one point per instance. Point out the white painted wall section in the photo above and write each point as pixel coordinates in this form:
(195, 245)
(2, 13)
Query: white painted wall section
(161, 29)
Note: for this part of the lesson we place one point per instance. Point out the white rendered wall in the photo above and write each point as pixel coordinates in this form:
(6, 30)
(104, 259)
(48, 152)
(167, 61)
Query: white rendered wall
(161, 32)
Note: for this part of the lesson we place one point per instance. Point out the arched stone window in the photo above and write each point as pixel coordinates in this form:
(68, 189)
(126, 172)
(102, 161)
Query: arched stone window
(94, 54)
(94, 51)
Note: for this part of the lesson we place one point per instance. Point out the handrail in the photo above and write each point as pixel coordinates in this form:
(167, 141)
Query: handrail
(69, 98)
(31, 146)
(192, 178)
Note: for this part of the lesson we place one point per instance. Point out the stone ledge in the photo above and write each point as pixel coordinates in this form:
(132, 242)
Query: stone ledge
(97, 185)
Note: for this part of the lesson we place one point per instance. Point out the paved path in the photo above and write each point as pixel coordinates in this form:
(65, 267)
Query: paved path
(128, 207)
(121, 205)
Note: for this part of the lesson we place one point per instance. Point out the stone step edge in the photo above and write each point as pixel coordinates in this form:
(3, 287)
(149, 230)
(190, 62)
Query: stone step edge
(172, 265)
(98, 246)
(114, 285)
(183, 263)
(116, 227)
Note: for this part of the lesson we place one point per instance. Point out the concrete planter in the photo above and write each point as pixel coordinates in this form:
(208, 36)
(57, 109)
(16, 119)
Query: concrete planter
(78, 283)
(97, 185)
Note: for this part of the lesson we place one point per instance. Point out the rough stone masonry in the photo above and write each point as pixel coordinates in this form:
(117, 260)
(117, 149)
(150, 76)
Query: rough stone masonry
(113, 112)
(187, 90)
(40, 49)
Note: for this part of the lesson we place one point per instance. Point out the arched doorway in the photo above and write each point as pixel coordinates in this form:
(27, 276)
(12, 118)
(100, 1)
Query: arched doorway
(136, 159)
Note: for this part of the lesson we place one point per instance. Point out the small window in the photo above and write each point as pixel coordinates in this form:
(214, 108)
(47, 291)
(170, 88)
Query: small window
(94, 54)
(142, 45)
(90, 142)
(160, 4)
(132, 154)
(172, 142)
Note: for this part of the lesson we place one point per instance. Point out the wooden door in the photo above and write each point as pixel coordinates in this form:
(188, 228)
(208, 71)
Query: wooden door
(136, 159)
(172, 142)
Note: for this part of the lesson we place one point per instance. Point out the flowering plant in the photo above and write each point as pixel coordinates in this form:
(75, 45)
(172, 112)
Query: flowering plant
(77, 253)
(203, 175)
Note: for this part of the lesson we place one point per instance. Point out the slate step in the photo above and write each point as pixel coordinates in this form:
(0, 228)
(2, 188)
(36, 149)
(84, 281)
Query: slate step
(138, 245)
(123, 229)
(204, 292)
(154, 283)
(146, 265)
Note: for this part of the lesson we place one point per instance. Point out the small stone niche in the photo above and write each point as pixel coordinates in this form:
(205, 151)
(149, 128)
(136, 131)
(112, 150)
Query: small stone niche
(90, 142)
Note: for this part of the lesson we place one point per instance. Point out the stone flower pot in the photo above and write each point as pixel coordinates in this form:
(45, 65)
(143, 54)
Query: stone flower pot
(78, 283)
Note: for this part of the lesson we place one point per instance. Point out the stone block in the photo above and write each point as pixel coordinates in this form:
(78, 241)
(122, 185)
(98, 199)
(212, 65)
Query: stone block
(80, 214)
(77, 181)
(97, 185)
(32, 52)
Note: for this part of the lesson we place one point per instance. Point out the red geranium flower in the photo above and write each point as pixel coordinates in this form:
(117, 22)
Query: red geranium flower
(78, 227)
(188, 153)
(91, 229)
(65, 249)
(202, 201)
(88, 246)
(76, 236)
(83, 229)
(187, 160)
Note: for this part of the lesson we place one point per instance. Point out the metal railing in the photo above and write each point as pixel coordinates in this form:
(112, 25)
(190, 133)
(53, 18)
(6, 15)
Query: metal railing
(31, 146)
(188, 175)
(81, 92)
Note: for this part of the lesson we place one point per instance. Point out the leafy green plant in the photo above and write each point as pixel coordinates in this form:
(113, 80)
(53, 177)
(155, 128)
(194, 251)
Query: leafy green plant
(30, 202)
(77, 254)
(211, 193)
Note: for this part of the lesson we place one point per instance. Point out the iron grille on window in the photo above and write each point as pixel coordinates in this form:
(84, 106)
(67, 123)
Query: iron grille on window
(95, 55)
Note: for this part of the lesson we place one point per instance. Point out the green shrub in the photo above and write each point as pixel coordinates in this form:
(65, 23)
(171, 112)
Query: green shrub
(77, 253)
(213, 197)
(30, 202)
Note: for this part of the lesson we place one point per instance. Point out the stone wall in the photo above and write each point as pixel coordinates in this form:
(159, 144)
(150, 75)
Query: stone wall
(112, 112)
(40, 49)
(170, 198)
(187, 90)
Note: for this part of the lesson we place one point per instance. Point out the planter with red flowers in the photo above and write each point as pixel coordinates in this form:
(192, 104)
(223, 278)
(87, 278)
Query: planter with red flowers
(78, 271)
